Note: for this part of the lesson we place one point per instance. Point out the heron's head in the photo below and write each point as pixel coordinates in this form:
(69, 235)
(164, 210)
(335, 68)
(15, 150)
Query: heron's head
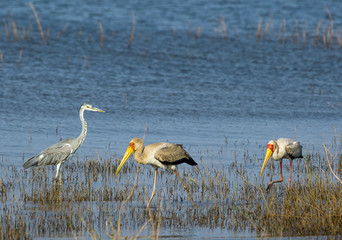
(270, 149)
(134, 144)
(88, 107)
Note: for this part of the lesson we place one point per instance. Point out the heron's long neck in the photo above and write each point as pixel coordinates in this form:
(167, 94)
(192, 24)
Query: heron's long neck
(138, 155)
(84, 128)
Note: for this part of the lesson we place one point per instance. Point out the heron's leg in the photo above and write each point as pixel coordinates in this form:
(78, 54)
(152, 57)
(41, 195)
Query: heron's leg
(185, 187)
(154, 187)
(281, 176)
(58, 166)
(60, 176)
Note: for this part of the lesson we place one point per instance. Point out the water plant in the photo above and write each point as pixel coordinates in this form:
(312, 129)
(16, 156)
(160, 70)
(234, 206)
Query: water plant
(323, 33)
(230, 198)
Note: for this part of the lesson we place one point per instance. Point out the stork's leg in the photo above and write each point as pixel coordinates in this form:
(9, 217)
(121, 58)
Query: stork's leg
(290, 173)
(185, 187)
(281, 176)
(154, 187)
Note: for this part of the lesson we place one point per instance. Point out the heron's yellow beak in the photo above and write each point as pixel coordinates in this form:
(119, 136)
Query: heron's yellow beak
(97, 109)
(267, 157)
(127, 154)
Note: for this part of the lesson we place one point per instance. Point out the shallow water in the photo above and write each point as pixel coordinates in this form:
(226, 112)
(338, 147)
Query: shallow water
(218, 93)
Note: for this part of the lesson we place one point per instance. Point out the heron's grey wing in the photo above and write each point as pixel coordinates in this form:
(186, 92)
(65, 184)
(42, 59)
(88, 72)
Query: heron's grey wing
(294, 149)
(173, 154)
(56, 153)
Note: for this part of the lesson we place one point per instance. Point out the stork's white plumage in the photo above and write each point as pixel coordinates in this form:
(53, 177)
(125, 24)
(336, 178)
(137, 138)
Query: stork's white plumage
(280, 149)
(159, 155)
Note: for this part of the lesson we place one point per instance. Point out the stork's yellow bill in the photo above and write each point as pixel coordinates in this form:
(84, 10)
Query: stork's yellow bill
(269, 152)
(127, 154)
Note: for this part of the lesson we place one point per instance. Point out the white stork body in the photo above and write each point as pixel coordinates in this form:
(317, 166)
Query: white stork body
(153, 150)
(158, 155)
(280, 149)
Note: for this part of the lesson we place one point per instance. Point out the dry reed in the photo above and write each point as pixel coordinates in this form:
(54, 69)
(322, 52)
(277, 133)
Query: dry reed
(2, 59)
(258, 30)
(324, 34)
(102, 34)
(131, 38)
(38, 22)
(91, 201)
(20, 56)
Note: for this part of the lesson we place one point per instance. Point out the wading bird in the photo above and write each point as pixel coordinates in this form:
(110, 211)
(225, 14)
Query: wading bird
(280, 149)
(158, 155)
(60, 152)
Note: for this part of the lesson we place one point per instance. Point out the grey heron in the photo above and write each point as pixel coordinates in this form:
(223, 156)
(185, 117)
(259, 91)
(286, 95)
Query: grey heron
(158, 155)
(280, 149)
(61, 151)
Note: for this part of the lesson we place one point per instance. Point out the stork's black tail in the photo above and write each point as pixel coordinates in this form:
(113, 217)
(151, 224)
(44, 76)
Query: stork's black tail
(191, 162)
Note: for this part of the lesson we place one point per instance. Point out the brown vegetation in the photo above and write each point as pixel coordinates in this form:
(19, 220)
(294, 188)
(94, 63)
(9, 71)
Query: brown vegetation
(92, 202)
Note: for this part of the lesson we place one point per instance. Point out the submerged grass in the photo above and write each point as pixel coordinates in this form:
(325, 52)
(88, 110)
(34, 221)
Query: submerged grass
(92, 202)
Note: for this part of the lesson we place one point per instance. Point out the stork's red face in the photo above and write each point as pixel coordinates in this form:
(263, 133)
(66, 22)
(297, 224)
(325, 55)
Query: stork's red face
(269, 152)
(132, 145)
(270, 147)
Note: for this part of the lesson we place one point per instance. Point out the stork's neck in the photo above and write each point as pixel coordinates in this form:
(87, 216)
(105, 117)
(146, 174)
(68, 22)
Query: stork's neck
(276, 155)
(138, 155)
(84, 128)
